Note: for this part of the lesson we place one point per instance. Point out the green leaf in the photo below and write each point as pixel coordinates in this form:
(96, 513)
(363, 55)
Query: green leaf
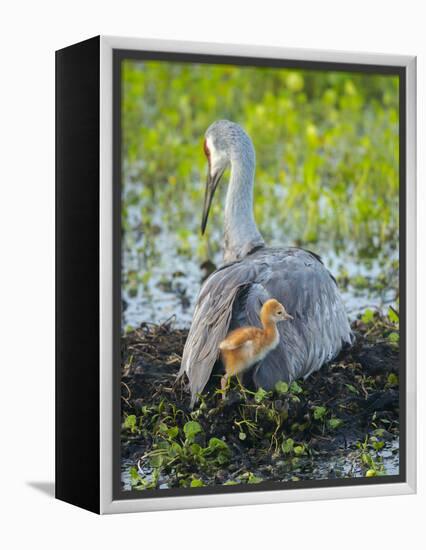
(254, 479)
(195, 449)
(134, 474)
(164, 445)
(281, 387)
(319, 413)
(191, 429)
(368, 316)
(156, 461)
(197, 483)
(393, 379)
(366, 459)
(242, 436)
(130, 423)
(393, 337)
(216, 444)
(334, 423)
(175, 449)
(287, 445)
(352, 388)
(295, 388)
(299, 450)
(294, 81)
(260, 395)
(393, 315)
(173, 432)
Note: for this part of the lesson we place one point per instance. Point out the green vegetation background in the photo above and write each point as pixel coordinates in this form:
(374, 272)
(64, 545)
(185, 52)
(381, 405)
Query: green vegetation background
(326, 145)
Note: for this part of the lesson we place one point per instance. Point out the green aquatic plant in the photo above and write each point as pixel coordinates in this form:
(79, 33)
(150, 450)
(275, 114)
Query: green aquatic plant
(175, 450)
(369, 456)
(327, 158)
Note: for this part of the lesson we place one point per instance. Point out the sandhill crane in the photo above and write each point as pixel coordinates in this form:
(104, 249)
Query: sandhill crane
(233, 295)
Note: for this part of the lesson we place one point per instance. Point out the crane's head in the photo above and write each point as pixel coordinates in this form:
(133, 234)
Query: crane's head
(224, 142)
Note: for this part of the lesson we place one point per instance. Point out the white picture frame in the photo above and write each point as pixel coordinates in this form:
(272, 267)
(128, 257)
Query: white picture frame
(108, 504)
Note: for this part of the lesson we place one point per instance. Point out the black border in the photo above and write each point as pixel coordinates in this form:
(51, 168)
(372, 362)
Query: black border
(77, 125)
(399, 71)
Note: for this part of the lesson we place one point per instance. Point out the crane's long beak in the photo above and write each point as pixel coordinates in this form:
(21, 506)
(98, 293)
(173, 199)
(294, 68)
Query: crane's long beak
(211, 184)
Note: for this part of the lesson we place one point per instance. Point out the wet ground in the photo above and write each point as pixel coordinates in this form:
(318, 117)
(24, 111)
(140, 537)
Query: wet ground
(343, 421)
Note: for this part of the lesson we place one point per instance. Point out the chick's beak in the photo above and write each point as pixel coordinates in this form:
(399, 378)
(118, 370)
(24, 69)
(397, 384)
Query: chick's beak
(287, 316)
(211, 184)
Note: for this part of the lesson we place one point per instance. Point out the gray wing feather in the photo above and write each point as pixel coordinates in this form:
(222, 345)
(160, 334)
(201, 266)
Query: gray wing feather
(320, 326)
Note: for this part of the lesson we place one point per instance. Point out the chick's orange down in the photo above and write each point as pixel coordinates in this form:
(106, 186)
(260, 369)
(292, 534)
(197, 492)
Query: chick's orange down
(246, 346)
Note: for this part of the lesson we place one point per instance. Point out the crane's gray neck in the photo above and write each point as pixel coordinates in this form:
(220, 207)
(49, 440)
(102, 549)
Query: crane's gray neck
(241, 233)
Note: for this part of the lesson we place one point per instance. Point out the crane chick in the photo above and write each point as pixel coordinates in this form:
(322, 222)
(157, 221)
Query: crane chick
(246, 346)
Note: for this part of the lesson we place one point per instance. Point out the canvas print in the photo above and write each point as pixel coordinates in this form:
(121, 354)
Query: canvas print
(259, 276)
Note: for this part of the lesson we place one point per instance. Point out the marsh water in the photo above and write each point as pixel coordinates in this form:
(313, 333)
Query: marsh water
(163, 270)
(342, 464)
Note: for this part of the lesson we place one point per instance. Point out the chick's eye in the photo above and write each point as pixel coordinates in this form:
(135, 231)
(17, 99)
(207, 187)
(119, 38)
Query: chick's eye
(280, 313)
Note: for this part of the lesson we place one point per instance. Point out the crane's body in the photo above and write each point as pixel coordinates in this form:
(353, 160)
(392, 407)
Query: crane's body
(234, 294)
